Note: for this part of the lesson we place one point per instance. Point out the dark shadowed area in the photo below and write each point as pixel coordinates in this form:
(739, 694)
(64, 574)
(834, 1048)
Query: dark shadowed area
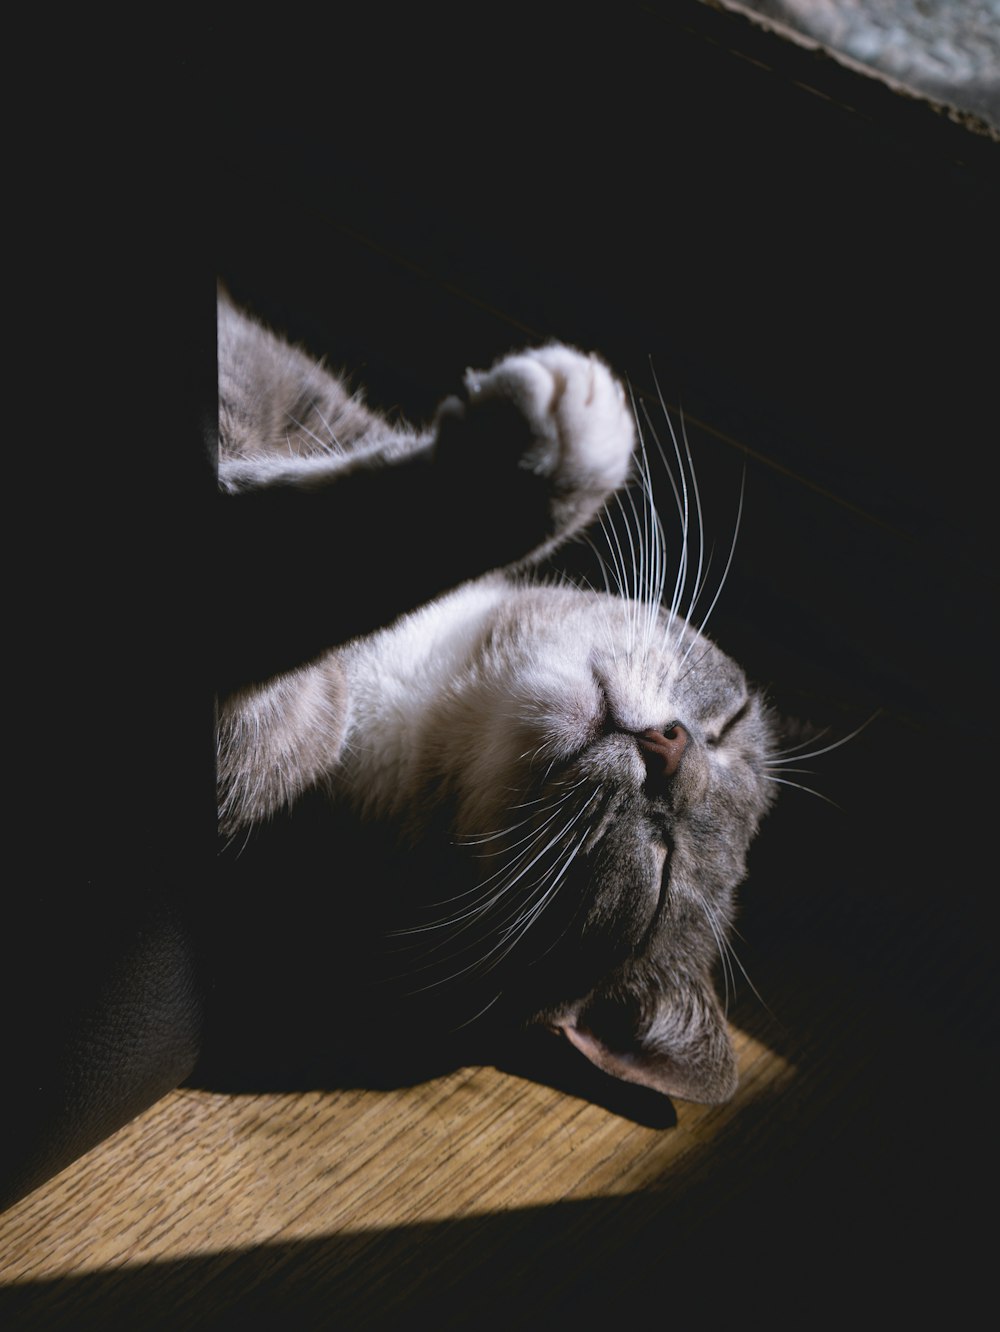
(804, 267)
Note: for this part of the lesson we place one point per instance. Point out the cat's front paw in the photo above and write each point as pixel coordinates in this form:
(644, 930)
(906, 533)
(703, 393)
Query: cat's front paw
(582, 430)
(558, 415)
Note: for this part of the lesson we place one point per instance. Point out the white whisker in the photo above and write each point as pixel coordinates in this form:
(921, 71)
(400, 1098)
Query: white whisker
(815, 753)
(798, 785)
(478, 909)
(729, 562)
(801, 745)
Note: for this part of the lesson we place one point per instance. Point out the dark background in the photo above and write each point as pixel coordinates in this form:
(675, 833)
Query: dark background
(809, 263)
(810, 267)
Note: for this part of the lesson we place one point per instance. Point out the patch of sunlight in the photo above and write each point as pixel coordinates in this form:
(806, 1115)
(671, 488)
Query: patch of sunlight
(202, 1173)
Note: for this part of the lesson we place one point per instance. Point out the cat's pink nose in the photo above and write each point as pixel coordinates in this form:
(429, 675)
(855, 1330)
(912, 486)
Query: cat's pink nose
(663, 750)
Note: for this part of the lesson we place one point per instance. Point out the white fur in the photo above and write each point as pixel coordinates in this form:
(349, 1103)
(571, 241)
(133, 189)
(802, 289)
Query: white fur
(584, 429)
(493, 682)
(517, 708)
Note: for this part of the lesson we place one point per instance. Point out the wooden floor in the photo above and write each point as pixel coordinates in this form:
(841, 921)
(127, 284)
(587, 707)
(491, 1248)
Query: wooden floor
(852, 1169)
(366, 1204)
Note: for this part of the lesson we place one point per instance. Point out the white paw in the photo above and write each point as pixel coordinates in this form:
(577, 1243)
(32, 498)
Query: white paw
(583, 431)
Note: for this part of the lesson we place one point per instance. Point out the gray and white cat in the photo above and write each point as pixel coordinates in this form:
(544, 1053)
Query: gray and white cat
(545, 794)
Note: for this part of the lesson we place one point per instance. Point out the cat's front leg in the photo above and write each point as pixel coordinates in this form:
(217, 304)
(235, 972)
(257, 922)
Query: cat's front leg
(326, 548)
(547, 432)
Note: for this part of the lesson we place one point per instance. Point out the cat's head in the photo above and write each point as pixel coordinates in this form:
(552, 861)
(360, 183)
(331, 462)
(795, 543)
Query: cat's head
(604, 769)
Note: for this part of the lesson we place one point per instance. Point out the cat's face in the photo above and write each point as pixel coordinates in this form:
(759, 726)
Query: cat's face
(606, 772)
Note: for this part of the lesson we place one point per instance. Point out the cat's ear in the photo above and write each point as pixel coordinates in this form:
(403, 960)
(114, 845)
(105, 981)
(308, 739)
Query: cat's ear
(682, 1049)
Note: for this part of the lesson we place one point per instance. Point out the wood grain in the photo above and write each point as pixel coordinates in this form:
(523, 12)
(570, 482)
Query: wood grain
(486, 1198)
(203, 1173)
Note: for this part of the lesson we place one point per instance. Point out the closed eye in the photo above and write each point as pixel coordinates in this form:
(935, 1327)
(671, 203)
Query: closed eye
(734, 720)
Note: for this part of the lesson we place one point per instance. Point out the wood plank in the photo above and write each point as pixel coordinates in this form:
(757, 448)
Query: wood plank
(203, 1172)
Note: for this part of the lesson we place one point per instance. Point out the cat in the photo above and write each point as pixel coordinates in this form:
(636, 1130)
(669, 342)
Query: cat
(537, 798)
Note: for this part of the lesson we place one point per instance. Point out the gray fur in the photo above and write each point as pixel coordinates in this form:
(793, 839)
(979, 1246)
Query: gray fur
(493, 731)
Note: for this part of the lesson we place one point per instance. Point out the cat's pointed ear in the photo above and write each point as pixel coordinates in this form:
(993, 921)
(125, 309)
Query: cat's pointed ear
(683, 1050)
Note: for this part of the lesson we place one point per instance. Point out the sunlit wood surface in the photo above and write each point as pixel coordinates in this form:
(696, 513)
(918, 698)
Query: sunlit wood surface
(201, 1172)
(365, 1201)
(484, 1198)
